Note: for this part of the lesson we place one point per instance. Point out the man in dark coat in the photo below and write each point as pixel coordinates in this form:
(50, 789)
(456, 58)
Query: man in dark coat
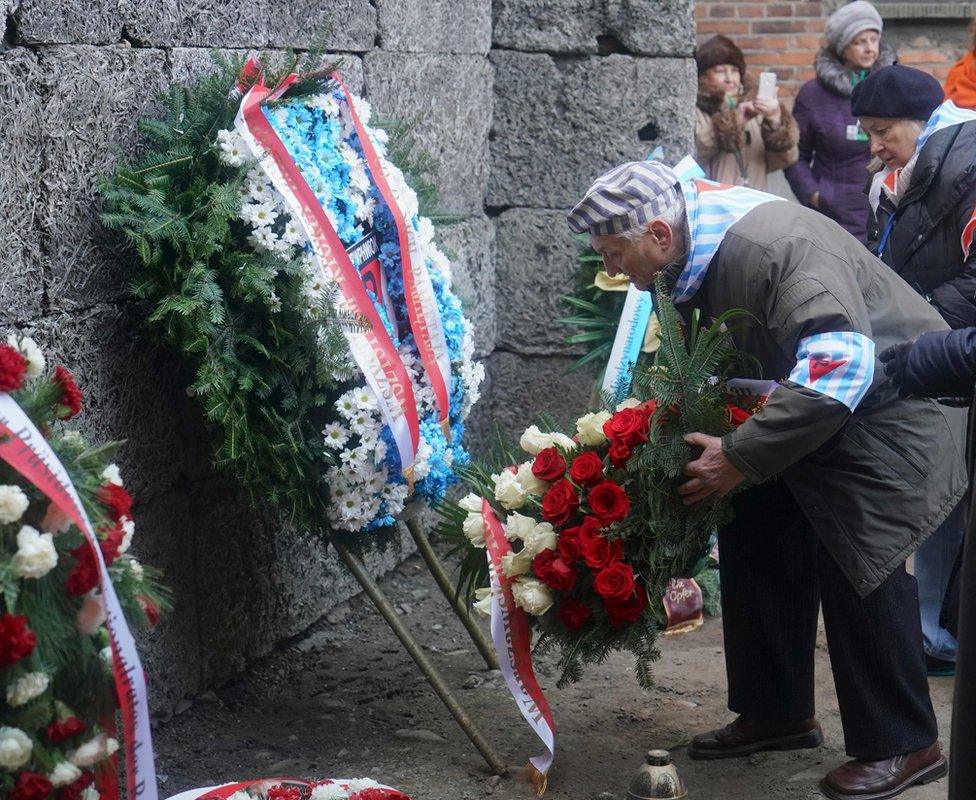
(853, 478)
(943, 364)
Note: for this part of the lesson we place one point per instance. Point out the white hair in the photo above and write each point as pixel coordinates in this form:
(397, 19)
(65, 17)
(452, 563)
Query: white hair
(674, 215)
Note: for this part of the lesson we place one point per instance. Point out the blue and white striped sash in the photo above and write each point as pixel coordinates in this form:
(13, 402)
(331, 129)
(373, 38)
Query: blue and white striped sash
(838, 364)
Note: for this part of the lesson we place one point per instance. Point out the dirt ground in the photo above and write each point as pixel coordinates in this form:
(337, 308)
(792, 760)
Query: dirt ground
(345, 701)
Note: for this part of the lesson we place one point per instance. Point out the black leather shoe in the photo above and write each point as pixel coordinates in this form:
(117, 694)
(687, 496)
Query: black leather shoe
(746, 736)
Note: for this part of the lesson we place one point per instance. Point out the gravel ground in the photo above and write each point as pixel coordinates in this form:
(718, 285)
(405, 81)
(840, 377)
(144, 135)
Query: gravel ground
(344, 700)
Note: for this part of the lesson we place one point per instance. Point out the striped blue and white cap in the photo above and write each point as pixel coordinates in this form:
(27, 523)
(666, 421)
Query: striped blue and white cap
(626, 197)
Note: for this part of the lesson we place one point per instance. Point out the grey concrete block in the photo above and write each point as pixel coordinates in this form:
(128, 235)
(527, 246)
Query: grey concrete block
(21, 270)
(470, 245)
(558, 124)
(643, 27)
(189, 64)
(347, 25)
(523, 387)
(207, 23)
(68, 21)
(89, 120)
(450, 97)
(435, 26)
(535, 265)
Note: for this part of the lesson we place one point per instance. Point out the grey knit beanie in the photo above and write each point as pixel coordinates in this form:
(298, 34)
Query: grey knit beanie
(847, 22)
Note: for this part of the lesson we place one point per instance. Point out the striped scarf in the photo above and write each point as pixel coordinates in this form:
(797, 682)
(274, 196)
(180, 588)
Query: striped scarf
(712, 209)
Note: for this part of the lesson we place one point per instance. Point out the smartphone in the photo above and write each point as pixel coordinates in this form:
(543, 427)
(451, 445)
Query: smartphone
(767, 86)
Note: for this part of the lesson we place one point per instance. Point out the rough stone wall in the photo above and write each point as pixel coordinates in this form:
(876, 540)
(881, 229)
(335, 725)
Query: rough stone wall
(523, 104)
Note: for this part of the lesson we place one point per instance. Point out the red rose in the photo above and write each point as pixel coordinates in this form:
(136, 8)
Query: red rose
(84, 574)
(647, 408)
(599, 552)
(284, 793)
(737, 415)
(70, 403)
(560, 502)
(609, 503)
(74, 789)
(116, 499)
(587, 469)
(625, 611)
(549, 465)
(574, 614)
(13, 368)
(628, 426)
(31, 786)
(65, 729)
(555, 573)
(17, 641)
(111, 543)
(570, 539)
(615, 583)
(620, 454)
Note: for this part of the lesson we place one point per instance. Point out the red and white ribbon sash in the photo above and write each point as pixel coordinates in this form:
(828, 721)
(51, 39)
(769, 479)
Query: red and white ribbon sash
(226, 790)
(513, 644)
(423, 313)
(24, 448)
(372, 349)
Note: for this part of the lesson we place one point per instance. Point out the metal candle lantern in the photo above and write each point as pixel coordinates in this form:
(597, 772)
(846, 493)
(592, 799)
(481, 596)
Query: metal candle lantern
(657, 779)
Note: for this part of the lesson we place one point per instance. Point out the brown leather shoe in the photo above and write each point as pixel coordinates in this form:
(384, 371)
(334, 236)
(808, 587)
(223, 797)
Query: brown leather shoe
(746, 736)
(880, 780)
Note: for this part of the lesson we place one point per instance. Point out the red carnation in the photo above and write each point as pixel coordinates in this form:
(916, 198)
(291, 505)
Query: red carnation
(31, 786)
(284, 793)
(615, 583)
(555, 573)
(560, 502)
(152, 611)
(74, 789)
(13, 368)
(587, 469)
(598, 551)
(17, 641)
(116, 499)
(84, 574)
(65, 729)
(70, 403)
(737, 415)
(574, 614)
(609, 503)
(628, 426)
(549, 465)
(625, 611)
(111, 543)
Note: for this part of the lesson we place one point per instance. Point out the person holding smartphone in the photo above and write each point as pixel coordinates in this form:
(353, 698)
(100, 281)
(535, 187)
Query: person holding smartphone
(831, 172)
(740, 136)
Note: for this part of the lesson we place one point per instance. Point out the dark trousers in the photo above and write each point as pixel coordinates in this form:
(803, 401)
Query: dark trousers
(775, 574)
(962, 768)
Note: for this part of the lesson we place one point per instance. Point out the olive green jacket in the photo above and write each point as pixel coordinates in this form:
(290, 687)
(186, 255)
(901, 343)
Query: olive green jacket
(873, 483)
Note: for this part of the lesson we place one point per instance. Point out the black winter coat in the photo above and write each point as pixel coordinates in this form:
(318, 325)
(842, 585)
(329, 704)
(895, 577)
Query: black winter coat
(925, 246)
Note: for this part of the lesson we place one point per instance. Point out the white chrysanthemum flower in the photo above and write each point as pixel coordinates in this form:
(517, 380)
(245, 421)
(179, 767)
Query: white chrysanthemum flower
(63, 774)
(365, 399)
(15, 748)
(240, 794)
(379, 452)
(128, 531)
(31, 352)
(111, 474)
(421, 466)
(233, 151)
(335, 435)
(36, 555)
(425, 231)
(13, 504)
(359, 178)
(324, 101)
(259, 215)
(362, 783)
(26, 688)
(362, 423)
(346, 404)
(332, 791)
(138, 571)
(293, 234)
(263, 239)
(365, 112)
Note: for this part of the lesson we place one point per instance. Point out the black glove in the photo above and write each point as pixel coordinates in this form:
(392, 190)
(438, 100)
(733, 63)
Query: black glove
(895, 360)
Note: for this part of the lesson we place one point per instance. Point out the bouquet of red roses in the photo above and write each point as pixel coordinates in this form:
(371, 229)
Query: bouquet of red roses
(595, 529)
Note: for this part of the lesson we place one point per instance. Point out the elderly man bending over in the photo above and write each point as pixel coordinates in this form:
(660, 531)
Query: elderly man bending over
(846, 479)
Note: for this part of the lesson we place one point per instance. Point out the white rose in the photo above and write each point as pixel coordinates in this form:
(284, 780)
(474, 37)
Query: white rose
(590, 428)
(630, 402)
(13, 504)
(474, 529)
(32, 354)
(64, 773)
(91, 615)
(529, 482)
(483, 602)
(36, 555)
(508, 491)
(111, 474)
(515, 564)
(25, 689)
(562, 441)
(94, 750)
(518, 526)
(542, 537)
(471, 503)
(532, 596)
(534, 441)
(15, 748)
(331, 791)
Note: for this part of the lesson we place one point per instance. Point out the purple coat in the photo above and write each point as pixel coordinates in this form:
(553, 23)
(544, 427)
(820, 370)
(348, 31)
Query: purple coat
(831, 161)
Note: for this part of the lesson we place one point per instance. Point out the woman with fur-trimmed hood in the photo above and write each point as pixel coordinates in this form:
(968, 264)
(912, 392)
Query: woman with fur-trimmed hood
(831, 173)
(739, 138)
